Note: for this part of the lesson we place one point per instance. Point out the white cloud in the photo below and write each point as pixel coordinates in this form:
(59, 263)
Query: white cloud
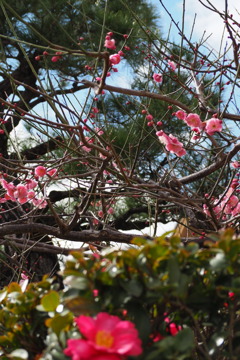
(208, 23)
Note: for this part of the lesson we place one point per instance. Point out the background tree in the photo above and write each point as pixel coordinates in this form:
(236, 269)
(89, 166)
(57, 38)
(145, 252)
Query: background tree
(32, 37)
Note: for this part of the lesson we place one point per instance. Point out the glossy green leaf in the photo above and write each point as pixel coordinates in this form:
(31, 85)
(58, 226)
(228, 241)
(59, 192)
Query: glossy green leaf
(50, 301)
(59, 322)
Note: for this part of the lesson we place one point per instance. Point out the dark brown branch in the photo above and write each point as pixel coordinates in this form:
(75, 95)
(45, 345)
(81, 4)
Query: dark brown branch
(165, 98)
(106, 235)
(210, 169)
(140, 93)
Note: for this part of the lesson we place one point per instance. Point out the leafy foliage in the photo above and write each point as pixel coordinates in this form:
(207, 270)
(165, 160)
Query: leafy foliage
(184, 300)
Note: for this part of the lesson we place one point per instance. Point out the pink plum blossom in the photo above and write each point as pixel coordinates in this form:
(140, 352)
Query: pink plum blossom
(15, 193)
(110, 211)
(52, 172)
(31, 184)
(171, 142)
(236, 164)
(114, 59)
(157, 77)
(106, 337)
(229, 204)
(21, 193)
(172, 65)
(110, 44)
(181, 115)
(213, 125)
(100, 213)
(236, 209)
(194, 121)
(90, 141)
(85, 148)
(40, 203)
(99, 131)
(9, 187)
(217, 210)
(24, 281)
(31, 194)
(40, 171)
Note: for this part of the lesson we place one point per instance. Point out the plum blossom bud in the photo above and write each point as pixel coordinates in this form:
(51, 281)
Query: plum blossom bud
(149, 117)
(55, 58)
(121, 53)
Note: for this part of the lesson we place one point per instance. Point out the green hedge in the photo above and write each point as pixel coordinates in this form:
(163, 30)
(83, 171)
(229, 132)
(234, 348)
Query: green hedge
(183, 300)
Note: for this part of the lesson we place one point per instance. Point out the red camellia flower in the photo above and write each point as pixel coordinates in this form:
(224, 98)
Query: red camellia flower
(106, 337)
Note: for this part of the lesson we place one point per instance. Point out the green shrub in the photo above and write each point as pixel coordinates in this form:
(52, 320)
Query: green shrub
(183, 300)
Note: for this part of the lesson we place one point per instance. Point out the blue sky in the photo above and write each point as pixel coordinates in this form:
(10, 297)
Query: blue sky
(206, 21)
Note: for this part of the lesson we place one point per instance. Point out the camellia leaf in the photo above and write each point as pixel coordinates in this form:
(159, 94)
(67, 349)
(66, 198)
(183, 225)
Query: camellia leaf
(50, 301)
(14, 287)
(138, 241)
(59, 322)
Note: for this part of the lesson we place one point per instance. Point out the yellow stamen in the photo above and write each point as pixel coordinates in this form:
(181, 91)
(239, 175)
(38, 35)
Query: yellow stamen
(104, 339)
